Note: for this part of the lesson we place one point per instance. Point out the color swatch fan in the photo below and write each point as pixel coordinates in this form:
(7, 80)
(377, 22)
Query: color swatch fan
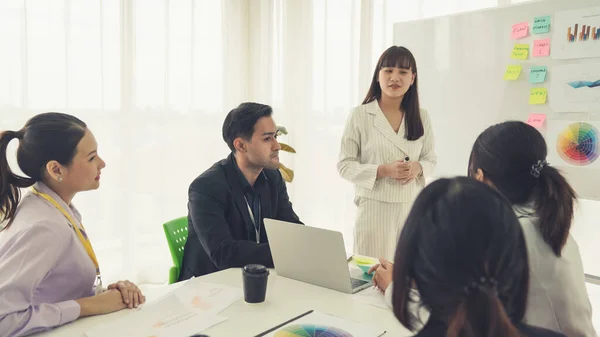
(317, 324)
(578, 144)
(311, 330)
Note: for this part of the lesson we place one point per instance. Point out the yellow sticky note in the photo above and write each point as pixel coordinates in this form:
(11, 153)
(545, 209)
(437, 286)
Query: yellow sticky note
(520, 51)
(512, 72)
(538, 96)
(363, 260)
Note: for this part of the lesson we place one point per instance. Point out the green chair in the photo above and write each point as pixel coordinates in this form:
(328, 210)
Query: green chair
(176, 232)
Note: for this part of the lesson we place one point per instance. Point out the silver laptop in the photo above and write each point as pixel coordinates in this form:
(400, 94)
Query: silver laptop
(313, 255)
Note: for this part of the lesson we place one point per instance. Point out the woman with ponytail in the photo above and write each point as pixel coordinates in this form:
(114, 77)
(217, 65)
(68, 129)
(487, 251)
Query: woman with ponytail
(511, 157)
(50, 274)
(463, 249)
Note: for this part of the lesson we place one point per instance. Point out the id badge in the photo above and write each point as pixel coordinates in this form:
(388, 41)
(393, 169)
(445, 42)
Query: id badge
(98, 285)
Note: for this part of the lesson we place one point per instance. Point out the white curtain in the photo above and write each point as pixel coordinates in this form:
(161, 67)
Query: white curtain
(154, 79)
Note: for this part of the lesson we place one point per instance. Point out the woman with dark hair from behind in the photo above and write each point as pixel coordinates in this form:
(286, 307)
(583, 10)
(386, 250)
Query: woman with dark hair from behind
(511, 157)
(50, 274)
(463, 249)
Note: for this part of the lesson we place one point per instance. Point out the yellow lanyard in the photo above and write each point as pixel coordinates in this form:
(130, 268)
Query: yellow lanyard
(84, 240)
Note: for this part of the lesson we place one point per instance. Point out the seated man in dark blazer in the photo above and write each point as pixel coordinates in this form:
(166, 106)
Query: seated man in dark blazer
(227, 203)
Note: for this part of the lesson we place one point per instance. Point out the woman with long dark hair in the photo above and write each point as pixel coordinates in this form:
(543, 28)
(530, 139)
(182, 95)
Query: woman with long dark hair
(463, 249)
(387, 149)
(511, 157)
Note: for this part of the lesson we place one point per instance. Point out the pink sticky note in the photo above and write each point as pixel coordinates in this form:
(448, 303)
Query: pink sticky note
(536, 120)
(520, 30)
(541, 47)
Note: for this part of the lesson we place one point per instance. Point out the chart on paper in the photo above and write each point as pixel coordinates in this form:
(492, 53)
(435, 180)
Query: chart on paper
(576, 34)
(575, 88)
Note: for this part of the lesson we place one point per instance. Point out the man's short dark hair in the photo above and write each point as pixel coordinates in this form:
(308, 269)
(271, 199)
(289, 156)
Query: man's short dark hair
(241, 120)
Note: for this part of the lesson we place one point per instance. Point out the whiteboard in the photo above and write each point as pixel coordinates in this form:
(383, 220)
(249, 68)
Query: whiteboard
(461, 61)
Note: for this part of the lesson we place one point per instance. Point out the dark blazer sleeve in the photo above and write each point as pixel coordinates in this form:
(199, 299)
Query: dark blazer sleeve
(207, 206)
(285, 212)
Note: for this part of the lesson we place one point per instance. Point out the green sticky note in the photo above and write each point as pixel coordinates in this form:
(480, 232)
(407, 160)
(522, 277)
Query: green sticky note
(538, 95)
(541, 25)
(537, 74)
(512, 72)
(520, 51)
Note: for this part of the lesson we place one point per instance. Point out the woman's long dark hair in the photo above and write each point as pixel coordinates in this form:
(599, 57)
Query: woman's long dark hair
(400, 57)
(507, 153)
(45, 137)
(463, 247)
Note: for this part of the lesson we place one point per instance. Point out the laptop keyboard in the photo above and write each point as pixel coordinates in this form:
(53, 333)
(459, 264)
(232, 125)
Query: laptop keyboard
(357, 283)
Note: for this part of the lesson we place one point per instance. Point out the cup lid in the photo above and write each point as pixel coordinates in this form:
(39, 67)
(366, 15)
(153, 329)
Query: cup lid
(255, 269)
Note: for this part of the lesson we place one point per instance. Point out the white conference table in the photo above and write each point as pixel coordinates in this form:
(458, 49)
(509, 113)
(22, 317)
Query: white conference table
(286, 298)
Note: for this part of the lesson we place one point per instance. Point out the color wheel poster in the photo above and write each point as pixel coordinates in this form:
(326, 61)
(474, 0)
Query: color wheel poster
(320, 324)
(575, 88)
(574, 143)
(576, 34)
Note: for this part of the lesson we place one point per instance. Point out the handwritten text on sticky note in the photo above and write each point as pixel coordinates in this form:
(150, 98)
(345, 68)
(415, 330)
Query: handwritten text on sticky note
(538, 96)
(519, 30)
(541, 25)
(541, 47)
(520, 52)
(537, 74)
(536, 120)
(512, 72)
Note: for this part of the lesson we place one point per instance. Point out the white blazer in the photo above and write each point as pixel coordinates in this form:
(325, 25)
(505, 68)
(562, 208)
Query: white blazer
(558, 298)
(369, 141)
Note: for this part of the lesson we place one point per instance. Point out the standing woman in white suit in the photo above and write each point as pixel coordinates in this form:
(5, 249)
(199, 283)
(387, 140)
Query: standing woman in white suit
(386, 151)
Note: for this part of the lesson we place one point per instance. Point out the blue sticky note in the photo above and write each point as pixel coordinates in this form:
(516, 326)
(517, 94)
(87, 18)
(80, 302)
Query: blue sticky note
(537, 74)
(541, 25)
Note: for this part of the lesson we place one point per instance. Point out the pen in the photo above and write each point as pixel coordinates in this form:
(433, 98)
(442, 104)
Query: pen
(406, 158)
(284, 323)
